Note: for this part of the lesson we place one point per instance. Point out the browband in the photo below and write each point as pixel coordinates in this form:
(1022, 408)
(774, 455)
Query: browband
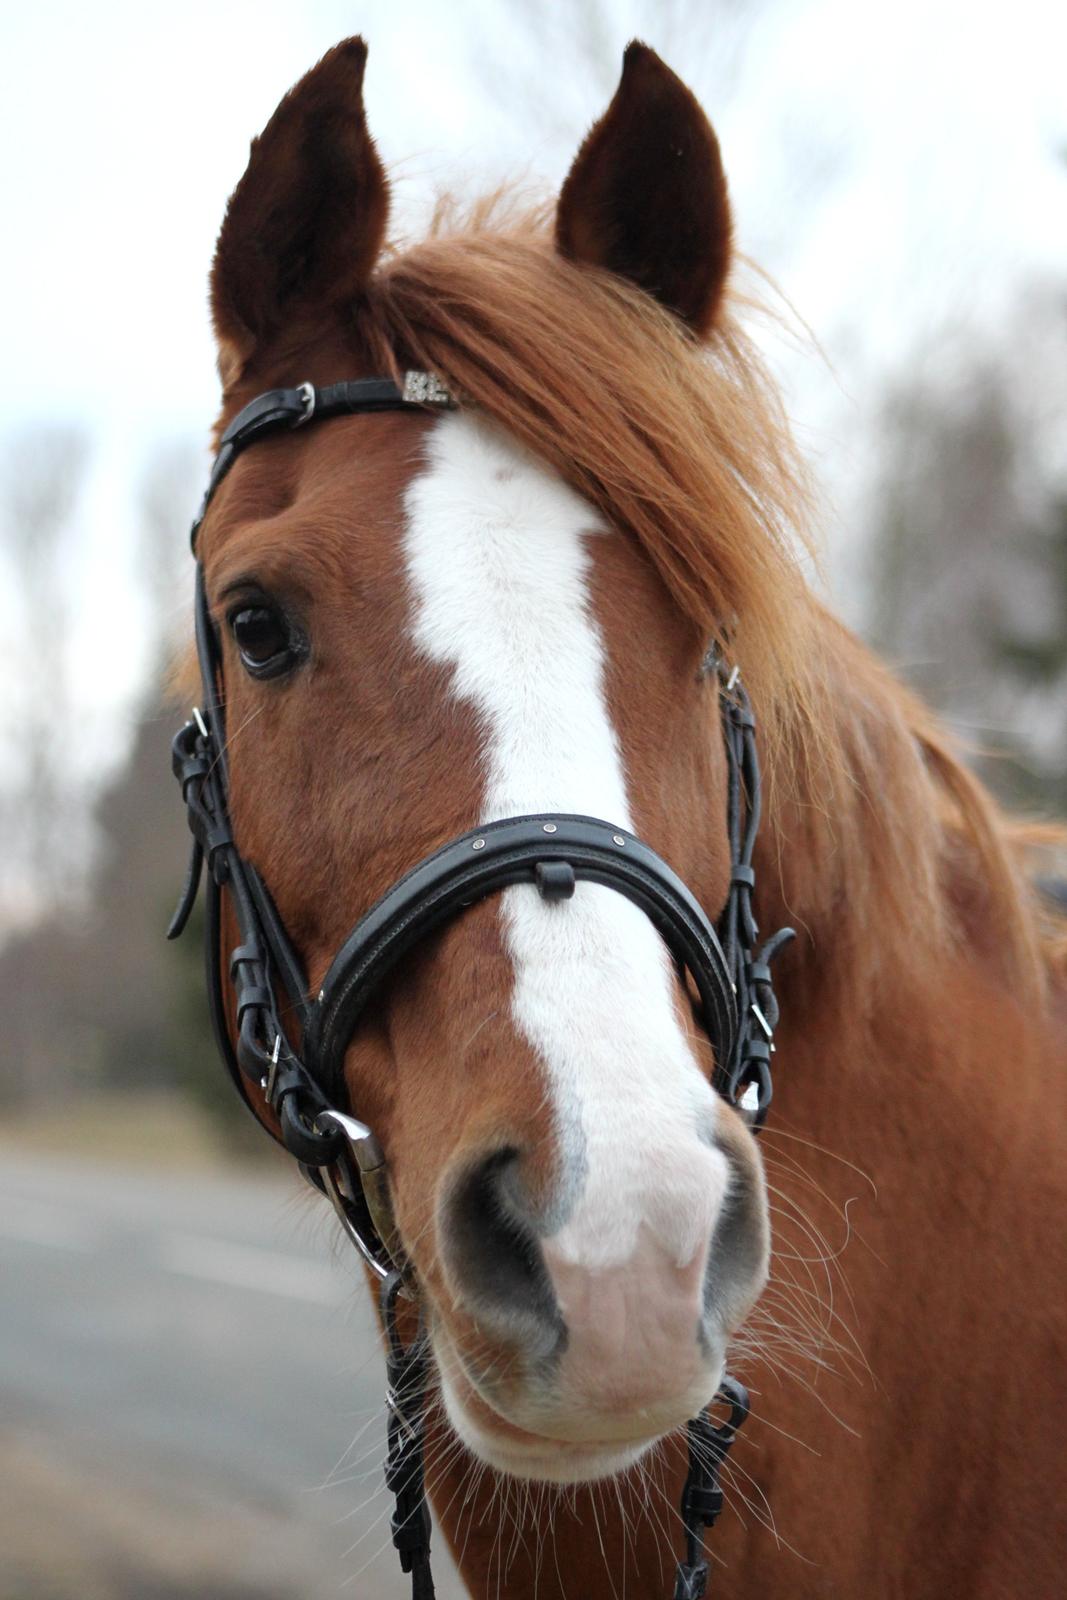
(282, 410)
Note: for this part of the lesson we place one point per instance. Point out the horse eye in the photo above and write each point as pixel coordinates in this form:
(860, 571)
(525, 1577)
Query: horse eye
(265, 640)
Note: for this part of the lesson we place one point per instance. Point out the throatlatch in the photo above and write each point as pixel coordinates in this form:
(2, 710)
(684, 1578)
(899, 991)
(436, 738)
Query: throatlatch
(305, 1087)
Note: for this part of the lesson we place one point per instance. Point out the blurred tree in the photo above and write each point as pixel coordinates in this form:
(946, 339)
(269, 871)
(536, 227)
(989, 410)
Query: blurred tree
(154, 1028)
(42, 472)
(85, 995)
(183, 1047)
(969, 581)
(101, 999)
(170, 489)
(106, 1002)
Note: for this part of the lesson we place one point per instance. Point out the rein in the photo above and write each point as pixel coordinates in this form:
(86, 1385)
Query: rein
(289, 1049)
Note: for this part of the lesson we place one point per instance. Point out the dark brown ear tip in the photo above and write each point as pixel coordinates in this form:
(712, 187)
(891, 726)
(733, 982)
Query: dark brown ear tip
(644, 70)
(355, 48)
(638, 55)
(334, 84)
(347, 58)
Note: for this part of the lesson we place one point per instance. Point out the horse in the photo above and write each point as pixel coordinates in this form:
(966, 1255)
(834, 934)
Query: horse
(493, 596)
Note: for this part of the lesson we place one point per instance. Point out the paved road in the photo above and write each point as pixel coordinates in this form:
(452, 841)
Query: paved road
(190, 1393)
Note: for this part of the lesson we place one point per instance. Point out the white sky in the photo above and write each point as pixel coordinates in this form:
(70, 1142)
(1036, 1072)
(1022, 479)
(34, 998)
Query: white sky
(898, 167)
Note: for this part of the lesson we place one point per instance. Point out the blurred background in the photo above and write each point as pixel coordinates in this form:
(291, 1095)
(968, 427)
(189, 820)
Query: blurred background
(185, 1365)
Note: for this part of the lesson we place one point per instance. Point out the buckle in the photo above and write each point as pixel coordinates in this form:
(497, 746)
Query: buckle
(269, 1080)
(306, 391)
(424, 389)
(364, 1146)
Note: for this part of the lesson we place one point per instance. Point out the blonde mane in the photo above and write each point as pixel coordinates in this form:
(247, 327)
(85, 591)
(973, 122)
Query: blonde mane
(876, 822)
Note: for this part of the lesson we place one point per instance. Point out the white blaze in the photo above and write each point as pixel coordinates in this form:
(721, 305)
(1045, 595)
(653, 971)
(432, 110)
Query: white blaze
(498, 557)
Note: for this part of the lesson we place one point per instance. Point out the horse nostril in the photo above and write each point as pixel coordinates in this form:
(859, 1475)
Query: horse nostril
(492, 1252)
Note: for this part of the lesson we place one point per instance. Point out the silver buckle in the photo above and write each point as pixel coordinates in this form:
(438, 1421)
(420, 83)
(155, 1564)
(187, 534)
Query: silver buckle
(365, 1147)
(424, 389)
(762, 1020)
(306, 391)
(337, 1199)
(267, 1082)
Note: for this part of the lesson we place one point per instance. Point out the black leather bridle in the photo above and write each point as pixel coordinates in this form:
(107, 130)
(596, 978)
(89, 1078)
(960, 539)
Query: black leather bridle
(290, 1049)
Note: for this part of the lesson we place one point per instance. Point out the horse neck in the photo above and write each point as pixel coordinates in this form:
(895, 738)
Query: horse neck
(883, 851)
(918, 956)
(913, 1122)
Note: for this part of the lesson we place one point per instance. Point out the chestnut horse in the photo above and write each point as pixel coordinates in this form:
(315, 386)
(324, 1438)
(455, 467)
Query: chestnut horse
(431, 621)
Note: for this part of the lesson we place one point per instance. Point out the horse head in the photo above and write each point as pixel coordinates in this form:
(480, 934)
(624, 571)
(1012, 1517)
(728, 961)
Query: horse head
(430, 621)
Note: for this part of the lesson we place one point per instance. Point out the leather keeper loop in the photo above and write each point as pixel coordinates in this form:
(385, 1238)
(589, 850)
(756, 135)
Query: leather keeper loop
(256, 997)
(241, 955)
(555, 880)
(703, 1503)
(316, 1149)
(289, 1079)
(190, 768)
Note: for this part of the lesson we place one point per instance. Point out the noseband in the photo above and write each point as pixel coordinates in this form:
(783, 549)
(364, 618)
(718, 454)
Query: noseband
(290, 1050)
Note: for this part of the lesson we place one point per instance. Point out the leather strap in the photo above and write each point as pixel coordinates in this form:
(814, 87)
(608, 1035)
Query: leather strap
(282, 410)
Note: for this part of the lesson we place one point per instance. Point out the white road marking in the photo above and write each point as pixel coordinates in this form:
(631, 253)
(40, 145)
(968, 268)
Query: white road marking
(244, 1267)
(28, 1222)
(191, 1255)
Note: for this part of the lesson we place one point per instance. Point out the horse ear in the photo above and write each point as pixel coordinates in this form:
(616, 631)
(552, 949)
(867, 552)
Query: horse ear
(305, 224)
(646, 197)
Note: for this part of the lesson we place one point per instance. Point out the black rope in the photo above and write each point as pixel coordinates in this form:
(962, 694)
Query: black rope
(702, 1497)
(406, 1374)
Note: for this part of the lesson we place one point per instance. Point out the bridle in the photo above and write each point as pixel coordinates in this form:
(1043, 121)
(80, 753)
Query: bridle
(291, 1049)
